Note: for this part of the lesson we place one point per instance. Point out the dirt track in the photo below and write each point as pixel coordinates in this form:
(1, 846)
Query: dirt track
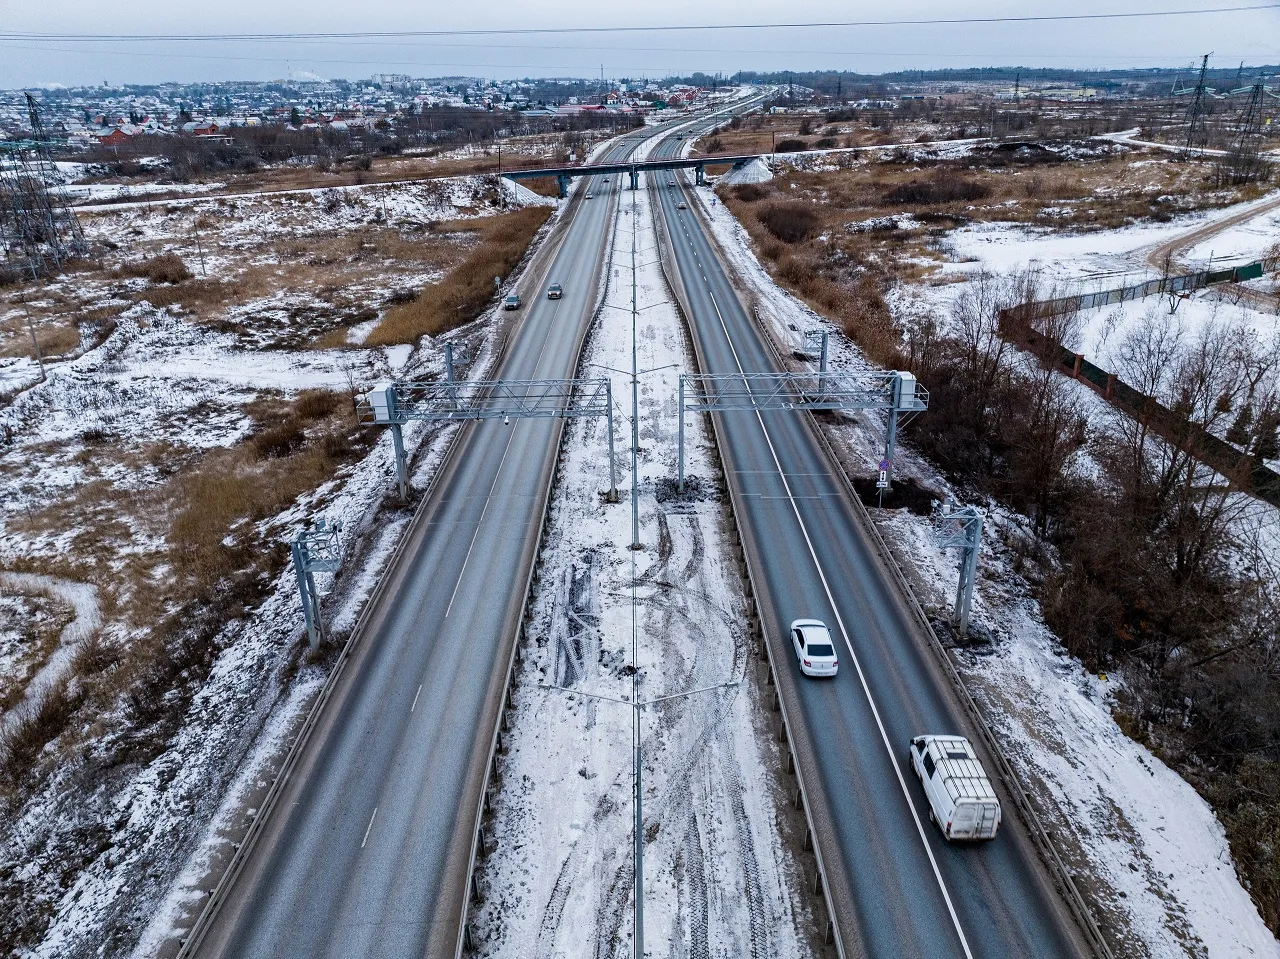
(1171, 249)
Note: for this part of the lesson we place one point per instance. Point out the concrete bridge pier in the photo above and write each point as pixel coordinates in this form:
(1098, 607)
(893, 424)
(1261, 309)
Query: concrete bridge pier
(635, 178)
(562, 181)
(700, 174)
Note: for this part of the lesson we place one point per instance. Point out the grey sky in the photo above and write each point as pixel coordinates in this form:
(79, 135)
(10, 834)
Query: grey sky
(1250, 36)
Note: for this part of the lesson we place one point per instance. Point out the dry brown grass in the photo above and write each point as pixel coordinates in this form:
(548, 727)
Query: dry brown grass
(213, 506)
(808, 227)
(464, 292)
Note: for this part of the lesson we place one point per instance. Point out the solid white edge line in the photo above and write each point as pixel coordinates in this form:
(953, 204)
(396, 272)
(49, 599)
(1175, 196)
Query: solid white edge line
(884, 736)
(415, 698)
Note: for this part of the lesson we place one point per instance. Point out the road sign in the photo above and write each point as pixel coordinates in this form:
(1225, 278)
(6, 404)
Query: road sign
(883, 481)
(884, 466)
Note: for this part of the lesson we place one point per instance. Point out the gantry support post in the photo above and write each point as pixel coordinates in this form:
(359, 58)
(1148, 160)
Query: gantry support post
(613, 496)
(402, 465)
(964, 533)
(562, 182)
(635, 178)
(312, 550)
(306, 591)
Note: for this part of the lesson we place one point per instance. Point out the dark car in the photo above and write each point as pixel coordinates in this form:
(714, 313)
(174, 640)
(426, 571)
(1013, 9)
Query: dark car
(555, 291)
(511, 302)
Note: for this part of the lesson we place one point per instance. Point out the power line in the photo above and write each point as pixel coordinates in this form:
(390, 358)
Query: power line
(527, 31)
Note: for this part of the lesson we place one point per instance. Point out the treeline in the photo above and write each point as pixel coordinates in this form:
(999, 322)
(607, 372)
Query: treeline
(1146, 563)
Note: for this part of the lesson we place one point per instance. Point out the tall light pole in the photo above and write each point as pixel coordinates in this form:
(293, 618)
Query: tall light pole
(635, 393)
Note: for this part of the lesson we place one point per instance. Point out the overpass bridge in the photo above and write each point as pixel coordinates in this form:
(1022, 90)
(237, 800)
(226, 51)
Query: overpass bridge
(564, 174)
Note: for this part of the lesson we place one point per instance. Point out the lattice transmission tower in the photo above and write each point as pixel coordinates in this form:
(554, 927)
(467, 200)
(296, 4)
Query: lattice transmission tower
(39, 231)
(1197, 129)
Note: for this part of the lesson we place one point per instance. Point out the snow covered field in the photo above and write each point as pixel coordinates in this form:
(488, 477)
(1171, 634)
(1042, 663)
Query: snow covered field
(1154, 854)
(718, 880)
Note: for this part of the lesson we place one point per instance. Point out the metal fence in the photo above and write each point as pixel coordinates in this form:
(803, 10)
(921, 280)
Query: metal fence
(1184, 283)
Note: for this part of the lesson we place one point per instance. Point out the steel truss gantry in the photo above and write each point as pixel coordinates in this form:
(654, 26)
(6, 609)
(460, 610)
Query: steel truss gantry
(890, 390)
(962, 529)
(394, 404)
(314, 550)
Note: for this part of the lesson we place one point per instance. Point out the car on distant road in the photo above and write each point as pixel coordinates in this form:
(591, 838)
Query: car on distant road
(555, 291)
(511, 302)
(814, 648)
(962, 800)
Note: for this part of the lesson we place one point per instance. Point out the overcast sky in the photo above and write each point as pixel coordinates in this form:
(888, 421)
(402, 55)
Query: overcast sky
(1252, 36)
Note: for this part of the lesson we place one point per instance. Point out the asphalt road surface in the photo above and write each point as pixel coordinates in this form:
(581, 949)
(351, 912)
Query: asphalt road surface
(898, 887)
(367, 851)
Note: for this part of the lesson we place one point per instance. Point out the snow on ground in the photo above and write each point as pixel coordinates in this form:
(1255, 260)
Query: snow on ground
(1243, 243)
(1100, 334)
(1158, 854)
(82, 598)
(717, 879)
(165, 378)
(1103, 259)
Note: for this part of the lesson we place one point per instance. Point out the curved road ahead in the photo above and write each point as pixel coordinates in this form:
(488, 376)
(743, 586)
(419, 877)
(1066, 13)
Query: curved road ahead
(366, 853)
(897, 887)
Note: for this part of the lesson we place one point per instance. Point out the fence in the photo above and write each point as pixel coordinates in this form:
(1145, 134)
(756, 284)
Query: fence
(1184, 283)
(1246, 472)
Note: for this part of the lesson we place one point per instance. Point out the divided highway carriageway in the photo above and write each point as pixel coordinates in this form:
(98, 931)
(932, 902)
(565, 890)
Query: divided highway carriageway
(896, 887)
(367, 850)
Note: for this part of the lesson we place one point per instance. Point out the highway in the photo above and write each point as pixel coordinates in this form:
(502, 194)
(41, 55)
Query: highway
(366, 854)
(897, 887)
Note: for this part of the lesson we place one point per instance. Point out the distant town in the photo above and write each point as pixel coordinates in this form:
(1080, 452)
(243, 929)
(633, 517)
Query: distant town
(87, 117)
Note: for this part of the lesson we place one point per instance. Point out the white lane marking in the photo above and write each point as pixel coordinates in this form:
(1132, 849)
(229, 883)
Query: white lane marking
(866, 689)
(480, 522)
(369, 827)
(415, 697)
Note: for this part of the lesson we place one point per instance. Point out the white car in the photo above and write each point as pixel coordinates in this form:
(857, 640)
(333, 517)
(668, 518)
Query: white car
(681, 206)
(815, 650)
(962, 800)
(588, 196)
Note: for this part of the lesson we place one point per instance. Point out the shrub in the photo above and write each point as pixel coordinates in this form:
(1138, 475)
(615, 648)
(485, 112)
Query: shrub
(791, 222)
(940, 190)
(826, 143)
(790, 146)
(750, 192)
(165, 268)
(278, 441)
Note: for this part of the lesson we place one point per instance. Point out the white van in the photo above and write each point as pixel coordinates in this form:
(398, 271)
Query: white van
(962, 800)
